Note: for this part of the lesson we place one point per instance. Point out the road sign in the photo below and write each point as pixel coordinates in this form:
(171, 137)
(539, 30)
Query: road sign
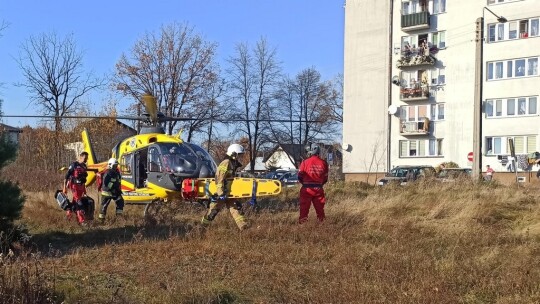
(470, 156)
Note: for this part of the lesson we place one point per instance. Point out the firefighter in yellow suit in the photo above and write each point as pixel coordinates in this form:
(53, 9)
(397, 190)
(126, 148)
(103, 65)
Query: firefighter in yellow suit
(225, 170)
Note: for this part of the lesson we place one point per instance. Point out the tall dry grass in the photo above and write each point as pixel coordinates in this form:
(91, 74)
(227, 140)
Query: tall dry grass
(424, 243)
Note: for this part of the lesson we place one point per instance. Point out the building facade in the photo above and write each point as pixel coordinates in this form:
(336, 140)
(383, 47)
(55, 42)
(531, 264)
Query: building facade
(409, 83)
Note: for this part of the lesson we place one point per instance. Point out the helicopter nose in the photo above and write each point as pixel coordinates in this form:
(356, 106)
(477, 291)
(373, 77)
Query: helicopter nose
(205, 171)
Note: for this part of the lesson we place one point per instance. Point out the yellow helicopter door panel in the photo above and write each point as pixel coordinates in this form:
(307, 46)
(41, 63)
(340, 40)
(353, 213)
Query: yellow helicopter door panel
(239, 187)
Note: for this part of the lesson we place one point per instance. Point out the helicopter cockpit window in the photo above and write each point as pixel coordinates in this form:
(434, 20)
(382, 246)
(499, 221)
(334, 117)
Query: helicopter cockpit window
(178, 158)
(125, 163)
(154, 163)
(204, 156)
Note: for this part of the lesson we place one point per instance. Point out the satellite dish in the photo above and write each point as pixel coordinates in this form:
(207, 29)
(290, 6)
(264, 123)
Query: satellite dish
(392, 109)
(395, 80)
(346, 147)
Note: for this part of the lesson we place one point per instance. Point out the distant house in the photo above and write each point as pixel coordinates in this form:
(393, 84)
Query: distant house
(12, 133)
(290, 156)
(259, 165)
(285, 156)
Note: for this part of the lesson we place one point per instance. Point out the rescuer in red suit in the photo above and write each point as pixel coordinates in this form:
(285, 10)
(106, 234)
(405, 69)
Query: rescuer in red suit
(313, 175)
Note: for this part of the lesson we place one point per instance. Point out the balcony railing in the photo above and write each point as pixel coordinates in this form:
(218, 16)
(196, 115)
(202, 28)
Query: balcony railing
(414, 93)
(416, 60)
(415, 21)
(414, 127)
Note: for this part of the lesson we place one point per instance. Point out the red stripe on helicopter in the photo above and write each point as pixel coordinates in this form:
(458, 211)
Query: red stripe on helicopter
(125, 188)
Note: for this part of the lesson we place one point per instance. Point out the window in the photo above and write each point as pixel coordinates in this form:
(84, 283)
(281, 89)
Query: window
(500, 32)
(491, 2)
(534, 27)
(524, 29)
(500, 145)
(513, 68)
(511, 107)
(439, 6)
(493, 145)
(491, 32)
(518, 29)
(532, 105)
(498, 70)
(438, 39)
(520, 68)
(419, 113)
(522, 106)
(440, 111)
(125, 163)
(438, 77)
(532, 67)
(512, 32)
(413, 43)
(488, 108)
(420, 148)
(154, 161)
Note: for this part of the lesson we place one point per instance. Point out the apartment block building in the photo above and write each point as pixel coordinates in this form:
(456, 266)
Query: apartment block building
(409, 83)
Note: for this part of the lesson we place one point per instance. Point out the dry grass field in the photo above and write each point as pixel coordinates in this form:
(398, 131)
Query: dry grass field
(425, 243)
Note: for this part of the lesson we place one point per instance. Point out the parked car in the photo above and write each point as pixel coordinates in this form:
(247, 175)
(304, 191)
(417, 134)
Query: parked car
(451, 174)
(289, 179)
(275, 174)
(402, 174)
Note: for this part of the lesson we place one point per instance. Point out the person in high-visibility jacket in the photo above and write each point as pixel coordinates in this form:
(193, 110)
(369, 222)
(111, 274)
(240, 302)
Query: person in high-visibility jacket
(313, 174)
(225, 170)
(111, 189)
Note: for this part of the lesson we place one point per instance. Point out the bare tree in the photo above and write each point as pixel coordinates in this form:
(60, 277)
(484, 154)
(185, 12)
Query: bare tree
(176, 66)
(304, 102)
(334, 102)
(53, 68)
(253, 76)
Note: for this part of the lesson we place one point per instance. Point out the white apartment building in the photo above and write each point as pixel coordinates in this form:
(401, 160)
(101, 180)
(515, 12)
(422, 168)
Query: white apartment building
(409, 83)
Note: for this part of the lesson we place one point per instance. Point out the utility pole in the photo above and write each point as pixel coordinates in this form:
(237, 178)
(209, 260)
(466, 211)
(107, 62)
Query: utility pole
(478, 84)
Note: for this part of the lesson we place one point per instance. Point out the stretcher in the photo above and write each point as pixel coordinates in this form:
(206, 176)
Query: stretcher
(239, 187)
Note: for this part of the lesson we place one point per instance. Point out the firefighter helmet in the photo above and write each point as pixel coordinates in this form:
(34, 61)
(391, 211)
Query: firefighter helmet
(112, 163)
(313, 150)
(234, 150)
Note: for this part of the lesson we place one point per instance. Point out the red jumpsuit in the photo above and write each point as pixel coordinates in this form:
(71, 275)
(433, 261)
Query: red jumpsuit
(313, 175)
(76, 179)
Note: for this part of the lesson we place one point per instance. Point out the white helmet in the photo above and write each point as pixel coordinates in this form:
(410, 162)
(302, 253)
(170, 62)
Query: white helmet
(313, 150)
(112, 162)
(235, 149)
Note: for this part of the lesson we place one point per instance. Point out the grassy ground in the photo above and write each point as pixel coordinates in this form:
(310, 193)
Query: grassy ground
(425, 243)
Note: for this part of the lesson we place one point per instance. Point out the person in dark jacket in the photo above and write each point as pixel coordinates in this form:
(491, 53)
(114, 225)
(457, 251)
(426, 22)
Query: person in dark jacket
(111, 189)
(313, 174)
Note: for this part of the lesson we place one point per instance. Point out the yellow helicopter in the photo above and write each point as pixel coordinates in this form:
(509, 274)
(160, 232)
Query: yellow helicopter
(157, 167)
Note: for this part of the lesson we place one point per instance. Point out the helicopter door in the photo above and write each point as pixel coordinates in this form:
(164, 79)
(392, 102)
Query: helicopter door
(154, 165)
(139, 163)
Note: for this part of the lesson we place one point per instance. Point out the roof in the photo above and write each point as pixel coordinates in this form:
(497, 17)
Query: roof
(4, 127)
(259, 165)
(294, 150)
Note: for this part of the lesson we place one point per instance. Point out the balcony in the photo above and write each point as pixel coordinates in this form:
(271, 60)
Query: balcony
(408, 128)
(415, 21)
(414, 93)
(420, 56)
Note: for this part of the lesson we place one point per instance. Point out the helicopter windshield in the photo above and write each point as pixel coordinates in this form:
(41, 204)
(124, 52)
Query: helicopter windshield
(178, 158)
(209, 161)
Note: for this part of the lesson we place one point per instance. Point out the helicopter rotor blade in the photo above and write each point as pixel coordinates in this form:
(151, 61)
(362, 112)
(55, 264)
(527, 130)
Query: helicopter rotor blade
(77, 117)
(150, 104)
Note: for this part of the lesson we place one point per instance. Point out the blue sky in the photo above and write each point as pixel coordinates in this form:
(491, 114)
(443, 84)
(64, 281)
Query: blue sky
(306, 33)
